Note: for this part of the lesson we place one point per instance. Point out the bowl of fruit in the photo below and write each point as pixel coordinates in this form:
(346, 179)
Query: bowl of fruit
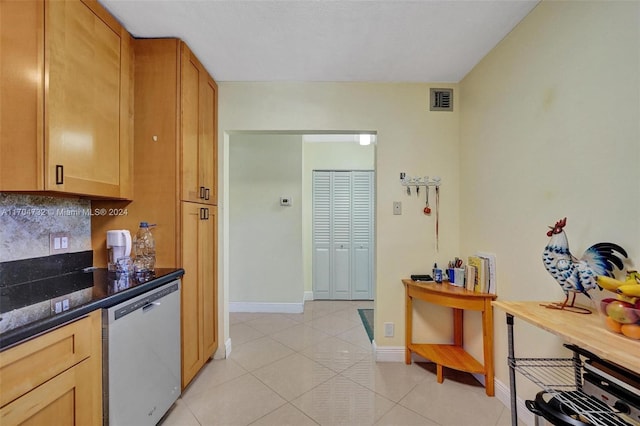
(621, 313)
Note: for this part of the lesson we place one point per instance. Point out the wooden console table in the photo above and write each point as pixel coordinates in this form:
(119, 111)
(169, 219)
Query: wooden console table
(452, 356)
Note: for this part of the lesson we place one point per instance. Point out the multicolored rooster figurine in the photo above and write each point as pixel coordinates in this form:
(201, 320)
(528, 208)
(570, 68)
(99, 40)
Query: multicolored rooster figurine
(578, 275)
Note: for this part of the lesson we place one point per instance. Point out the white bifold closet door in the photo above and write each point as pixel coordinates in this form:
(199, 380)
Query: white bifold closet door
(343, 205)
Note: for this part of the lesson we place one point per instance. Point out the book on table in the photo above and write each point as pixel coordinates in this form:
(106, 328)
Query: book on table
(470, 277)
(491, 275)
(481, 266)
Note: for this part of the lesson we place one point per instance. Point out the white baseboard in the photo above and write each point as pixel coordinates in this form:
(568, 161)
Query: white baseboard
(503, 395)
(388, 353)
(227, 347)
(280, 308)
(308, 295)
(223, 351)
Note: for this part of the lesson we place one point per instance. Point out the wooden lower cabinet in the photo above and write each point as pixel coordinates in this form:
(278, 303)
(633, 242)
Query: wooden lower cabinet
(199, 298)
(63, 400)
(36, 392)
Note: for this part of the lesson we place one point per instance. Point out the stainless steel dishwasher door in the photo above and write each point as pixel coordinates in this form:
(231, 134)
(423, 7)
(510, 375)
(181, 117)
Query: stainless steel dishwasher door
(141, 356)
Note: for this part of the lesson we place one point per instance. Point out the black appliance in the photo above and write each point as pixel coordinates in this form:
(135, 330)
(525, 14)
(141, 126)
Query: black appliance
(608, 395)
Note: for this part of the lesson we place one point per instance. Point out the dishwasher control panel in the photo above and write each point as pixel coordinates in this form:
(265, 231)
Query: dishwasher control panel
(134, 306)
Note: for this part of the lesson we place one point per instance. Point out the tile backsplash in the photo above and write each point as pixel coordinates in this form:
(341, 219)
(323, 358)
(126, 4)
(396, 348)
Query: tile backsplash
(27, 220)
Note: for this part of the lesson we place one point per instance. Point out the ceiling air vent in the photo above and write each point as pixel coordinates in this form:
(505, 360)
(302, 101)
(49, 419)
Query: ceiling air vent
(441, 100)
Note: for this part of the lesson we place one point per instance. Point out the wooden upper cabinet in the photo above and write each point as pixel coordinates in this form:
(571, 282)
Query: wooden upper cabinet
(208, 139)
(67, 114)
(199, 99)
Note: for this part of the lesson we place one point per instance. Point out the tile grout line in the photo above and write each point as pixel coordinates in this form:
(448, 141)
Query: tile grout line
(336, 374)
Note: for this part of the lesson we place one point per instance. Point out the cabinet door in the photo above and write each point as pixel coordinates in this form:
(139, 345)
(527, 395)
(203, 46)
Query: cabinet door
(208, 262)
(68, 127)
(21, 99)
(199, 97)
(67, 398)
(52, 353)
(192, 316)
(83, 100)
(190, 126)
(199, 292)
(208, 138)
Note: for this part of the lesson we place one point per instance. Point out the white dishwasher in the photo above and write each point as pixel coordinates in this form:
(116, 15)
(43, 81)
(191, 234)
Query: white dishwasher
(141, 357)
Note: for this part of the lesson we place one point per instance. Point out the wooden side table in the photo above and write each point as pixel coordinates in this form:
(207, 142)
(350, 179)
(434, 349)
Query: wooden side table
(452, 356)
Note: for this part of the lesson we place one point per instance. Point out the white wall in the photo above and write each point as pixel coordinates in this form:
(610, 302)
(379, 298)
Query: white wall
(326, 156)
(410, 139)
(265, 258)
(550, 127)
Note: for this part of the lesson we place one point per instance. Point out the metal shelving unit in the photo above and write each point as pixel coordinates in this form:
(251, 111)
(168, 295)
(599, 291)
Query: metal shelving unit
(559, 374)
(561, 380)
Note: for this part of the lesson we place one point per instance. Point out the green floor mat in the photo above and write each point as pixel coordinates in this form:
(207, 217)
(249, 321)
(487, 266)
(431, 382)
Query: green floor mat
(367, 320)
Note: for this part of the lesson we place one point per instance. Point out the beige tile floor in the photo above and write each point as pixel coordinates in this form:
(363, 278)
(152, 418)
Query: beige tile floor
(317, 368)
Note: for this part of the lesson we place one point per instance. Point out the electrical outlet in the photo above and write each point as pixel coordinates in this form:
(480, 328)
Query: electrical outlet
(397, 207)
(59, 242)
(60, 304)
(388, 329)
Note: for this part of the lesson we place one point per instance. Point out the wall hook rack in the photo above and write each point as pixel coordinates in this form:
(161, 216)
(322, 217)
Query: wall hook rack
(419, 181)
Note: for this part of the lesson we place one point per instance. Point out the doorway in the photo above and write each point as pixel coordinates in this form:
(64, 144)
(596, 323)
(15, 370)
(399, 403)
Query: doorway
(270, 241)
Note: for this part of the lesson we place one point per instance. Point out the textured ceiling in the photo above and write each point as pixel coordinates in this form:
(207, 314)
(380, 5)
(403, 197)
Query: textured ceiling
(267, 40)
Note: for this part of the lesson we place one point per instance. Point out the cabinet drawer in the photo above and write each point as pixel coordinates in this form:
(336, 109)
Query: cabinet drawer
(32, 363)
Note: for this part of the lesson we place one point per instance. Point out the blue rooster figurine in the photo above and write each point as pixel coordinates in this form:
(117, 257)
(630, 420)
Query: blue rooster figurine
(578, 275)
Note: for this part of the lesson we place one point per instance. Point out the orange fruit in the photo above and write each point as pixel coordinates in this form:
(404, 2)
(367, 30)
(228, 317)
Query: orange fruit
(613, 325)
(631, 330)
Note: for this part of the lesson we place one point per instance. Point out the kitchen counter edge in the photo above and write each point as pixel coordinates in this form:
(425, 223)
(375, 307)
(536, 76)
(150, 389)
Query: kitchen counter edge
(21, 334)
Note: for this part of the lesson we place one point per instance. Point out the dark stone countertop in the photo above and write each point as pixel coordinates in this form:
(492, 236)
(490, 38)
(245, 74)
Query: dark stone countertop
(28, 309)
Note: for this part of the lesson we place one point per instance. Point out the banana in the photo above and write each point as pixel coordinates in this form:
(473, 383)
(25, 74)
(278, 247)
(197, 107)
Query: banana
(633, 276)
(628, 299)
(609, 283)
(631, 290)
